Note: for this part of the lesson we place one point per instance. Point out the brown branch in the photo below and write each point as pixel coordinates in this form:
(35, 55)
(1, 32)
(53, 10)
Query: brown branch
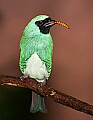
(56, 95)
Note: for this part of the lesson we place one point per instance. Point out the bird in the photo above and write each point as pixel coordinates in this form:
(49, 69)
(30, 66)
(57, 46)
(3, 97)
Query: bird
(36, 49)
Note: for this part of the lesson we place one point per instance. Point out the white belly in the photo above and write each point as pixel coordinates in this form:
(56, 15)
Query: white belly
(36, 68)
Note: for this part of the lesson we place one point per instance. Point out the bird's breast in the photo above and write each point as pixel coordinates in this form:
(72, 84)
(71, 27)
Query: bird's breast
(36, 68)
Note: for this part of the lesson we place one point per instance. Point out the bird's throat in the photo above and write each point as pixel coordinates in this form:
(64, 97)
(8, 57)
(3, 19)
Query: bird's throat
(44, 30)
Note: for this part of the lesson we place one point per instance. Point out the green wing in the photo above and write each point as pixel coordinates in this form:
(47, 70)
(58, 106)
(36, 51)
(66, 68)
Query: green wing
(26, 50)
(28, 46)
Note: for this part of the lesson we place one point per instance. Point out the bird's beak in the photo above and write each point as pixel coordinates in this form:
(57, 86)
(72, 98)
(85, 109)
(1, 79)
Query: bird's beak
(53, 22)
(62, 24)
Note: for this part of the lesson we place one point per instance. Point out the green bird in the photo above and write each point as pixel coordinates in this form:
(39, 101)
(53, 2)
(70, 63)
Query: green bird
(36, 48)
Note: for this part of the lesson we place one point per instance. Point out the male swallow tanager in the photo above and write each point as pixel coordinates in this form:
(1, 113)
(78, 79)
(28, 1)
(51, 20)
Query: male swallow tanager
(36, 48)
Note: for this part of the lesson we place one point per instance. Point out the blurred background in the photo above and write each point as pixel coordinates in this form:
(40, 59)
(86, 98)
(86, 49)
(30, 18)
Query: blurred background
(72, 71)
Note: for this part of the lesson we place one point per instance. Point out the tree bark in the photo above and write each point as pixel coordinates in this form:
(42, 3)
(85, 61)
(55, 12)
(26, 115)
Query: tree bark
(46, 91)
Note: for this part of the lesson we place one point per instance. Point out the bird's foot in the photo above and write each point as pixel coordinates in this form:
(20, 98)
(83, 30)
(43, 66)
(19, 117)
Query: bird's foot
(42, 83)
(24, 77)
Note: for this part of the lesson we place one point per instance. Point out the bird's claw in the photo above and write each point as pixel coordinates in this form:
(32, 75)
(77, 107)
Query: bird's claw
(42, 83)
(23, 77)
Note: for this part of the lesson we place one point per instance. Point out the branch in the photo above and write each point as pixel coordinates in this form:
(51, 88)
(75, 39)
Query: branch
(46, 91)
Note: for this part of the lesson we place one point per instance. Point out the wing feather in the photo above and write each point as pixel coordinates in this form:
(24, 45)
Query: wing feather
(44, 51)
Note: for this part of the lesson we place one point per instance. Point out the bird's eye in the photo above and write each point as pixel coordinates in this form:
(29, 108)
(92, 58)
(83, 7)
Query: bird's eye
(39, 23)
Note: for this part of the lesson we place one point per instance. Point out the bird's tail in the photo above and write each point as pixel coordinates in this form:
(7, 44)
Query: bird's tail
(37, 104)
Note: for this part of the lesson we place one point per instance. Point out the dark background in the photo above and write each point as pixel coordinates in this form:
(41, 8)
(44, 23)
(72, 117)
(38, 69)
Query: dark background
(72, 71)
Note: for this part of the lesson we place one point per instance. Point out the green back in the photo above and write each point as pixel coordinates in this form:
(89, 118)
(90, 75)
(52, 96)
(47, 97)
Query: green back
(34, 41)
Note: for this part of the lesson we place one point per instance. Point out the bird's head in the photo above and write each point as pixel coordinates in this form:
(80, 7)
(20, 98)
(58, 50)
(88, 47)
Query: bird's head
(44, 23)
